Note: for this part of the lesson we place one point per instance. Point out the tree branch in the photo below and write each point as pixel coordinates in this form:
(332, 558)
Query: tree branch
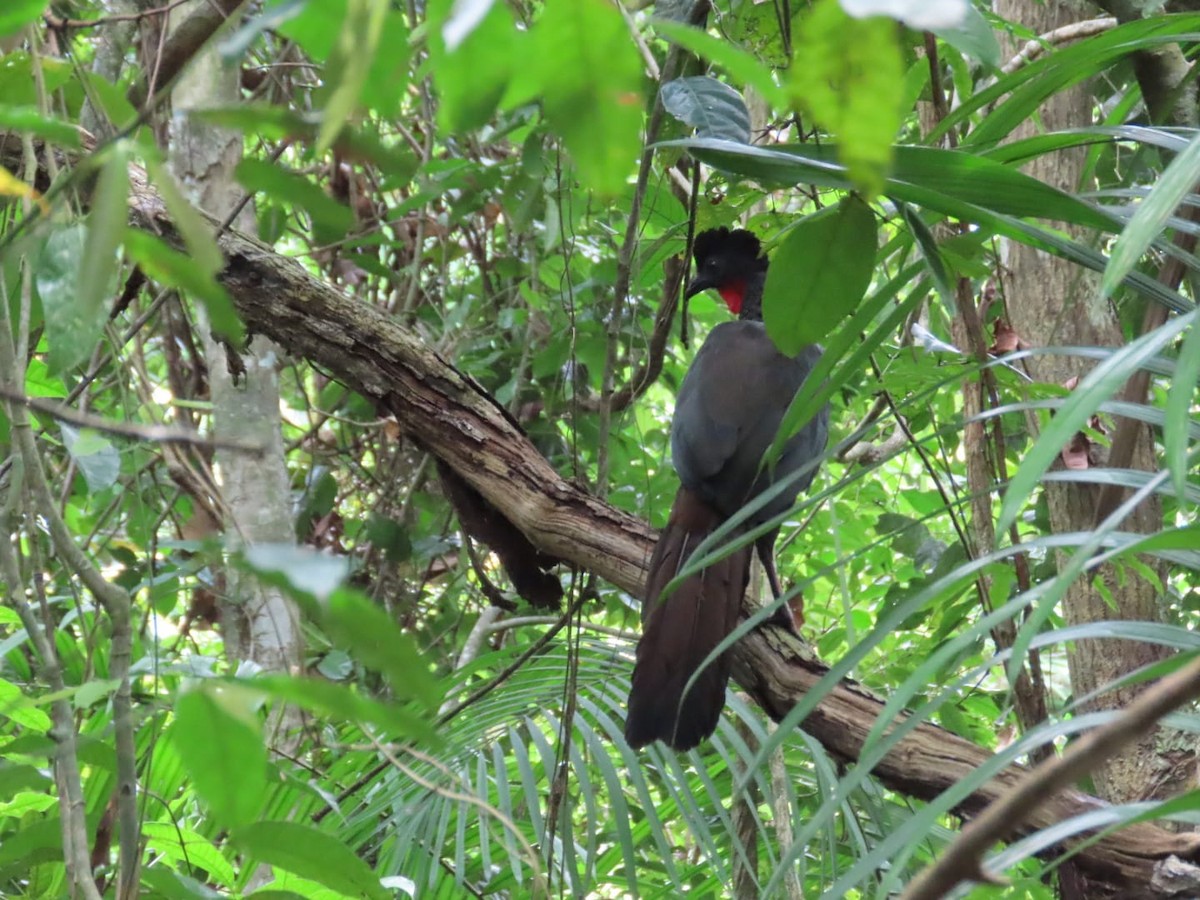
(451, 417)
(964, 860)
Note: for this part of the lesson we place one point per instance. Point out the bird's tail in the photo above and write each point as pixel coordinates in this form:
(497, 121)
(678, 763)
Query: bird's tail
(681, 630)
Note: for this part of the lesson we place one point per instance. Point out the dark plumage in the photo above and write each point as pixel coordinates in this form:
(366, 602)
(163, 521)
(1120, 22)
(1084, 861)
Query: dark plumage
(727, 412)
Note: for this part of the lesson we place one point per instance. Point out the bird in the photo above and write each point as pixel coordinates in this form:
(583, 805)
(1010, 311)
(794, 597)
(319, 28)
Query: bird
(727, 413)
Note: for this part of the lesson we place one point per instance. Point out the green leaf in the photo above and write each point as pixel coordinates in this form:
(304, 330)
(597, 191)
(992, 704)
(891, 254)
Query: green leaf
(1179, 409)
(72, 328)
(590, 77)
(363, 628)
(18, 777)
(106, 226)
(935, 179)
(849, 75)
(331, 219)
(170, 267)
(19, 13)
(737, 63)
(15, 706)
(1151, 216)
(349, 65)
(177, 842)
(711, 107)
(471, 65)
(819, 274)
(222, 750)
(345, 704)
(310, 853)
(91, 692)
(972, 37)
(304, 569)
(95, 455)
(197, 231)
(30, 120)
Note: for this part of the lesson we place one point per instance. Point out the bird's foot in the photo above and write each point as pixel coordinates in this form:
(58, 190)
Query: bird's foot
(788, 615)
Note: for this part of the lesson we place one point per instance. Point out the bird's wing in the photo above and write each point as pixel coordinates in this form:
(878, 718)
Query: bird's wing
(730, 404)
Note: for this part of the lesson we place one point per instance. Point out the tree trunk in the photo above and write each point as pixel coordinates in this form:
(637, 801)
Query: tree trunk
(1050, 301)
(259, 622)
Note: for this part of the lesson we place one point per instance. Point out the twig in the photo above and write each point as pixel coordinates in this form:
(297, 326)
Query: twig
(1064, 34)
(112, 597)
(157, 434)
(59, 23)
(963, 860)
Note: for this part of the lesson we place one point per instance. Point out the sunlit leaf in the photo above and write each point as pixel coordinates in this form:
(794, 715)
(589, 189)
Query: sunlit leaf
(223, 751)
(848, 74)
(302, 849)
(591, 84)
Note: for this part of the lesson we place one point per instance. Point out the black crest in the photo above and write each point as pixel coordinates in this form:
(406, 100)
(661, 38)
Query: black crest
(735, 244)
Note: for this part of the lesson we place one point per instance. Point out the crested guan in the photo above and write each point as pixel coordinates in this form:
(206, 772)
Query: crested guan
(727, 413)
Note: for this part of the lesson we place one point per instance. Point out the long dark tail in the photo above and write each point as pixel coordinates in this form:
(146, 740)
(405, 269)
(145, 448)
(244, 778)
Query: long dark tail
(680, 631)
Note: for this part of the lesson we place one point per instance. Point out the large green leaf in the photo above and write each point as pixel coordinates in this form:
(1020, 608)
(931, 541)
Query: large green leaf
(19, 13)
(311, 853)
(74, 320)
(349, 65)
(819, 274)
(590, 79)
(218, 738)
(472, 61)
(711, 107)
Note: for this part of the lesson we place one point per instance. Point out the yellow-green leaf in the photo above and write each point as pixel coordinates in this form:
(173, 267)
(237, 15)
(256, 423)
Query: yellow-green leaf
(591, 84)
(848, 74)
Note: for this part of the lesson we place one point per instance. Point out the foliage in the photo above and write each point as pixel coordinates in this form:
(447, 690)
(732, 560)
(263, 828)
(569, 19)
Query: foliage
(470, 168)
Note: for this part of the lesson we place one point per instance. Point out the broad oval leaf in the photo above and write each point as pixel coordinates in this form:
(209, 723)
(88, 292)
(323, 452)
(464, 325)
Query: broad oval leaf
(95, 455)
(72, 326)
(972, 36)
(819, 274)
(304, 569)
(712, 107)
(473, 50)
(19, 13)
(312, 854)
(223, 753)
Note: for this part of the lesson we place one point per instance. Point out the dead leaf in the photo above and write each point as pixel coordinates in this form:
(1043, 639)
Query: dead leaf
(1004, 339)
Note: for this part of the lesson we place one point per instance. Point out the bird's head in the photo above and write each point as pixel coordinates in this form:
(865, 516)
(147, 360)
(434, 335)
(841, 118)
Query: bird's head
(727, 261)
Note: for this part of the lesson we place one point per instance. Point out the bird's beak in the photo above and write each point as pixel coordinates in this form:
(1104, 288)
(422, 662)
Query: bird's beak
(697, 285)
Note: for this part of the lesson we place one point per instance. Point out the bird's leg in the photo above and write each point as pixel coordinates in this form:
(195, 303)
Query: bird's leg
(785, 615)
